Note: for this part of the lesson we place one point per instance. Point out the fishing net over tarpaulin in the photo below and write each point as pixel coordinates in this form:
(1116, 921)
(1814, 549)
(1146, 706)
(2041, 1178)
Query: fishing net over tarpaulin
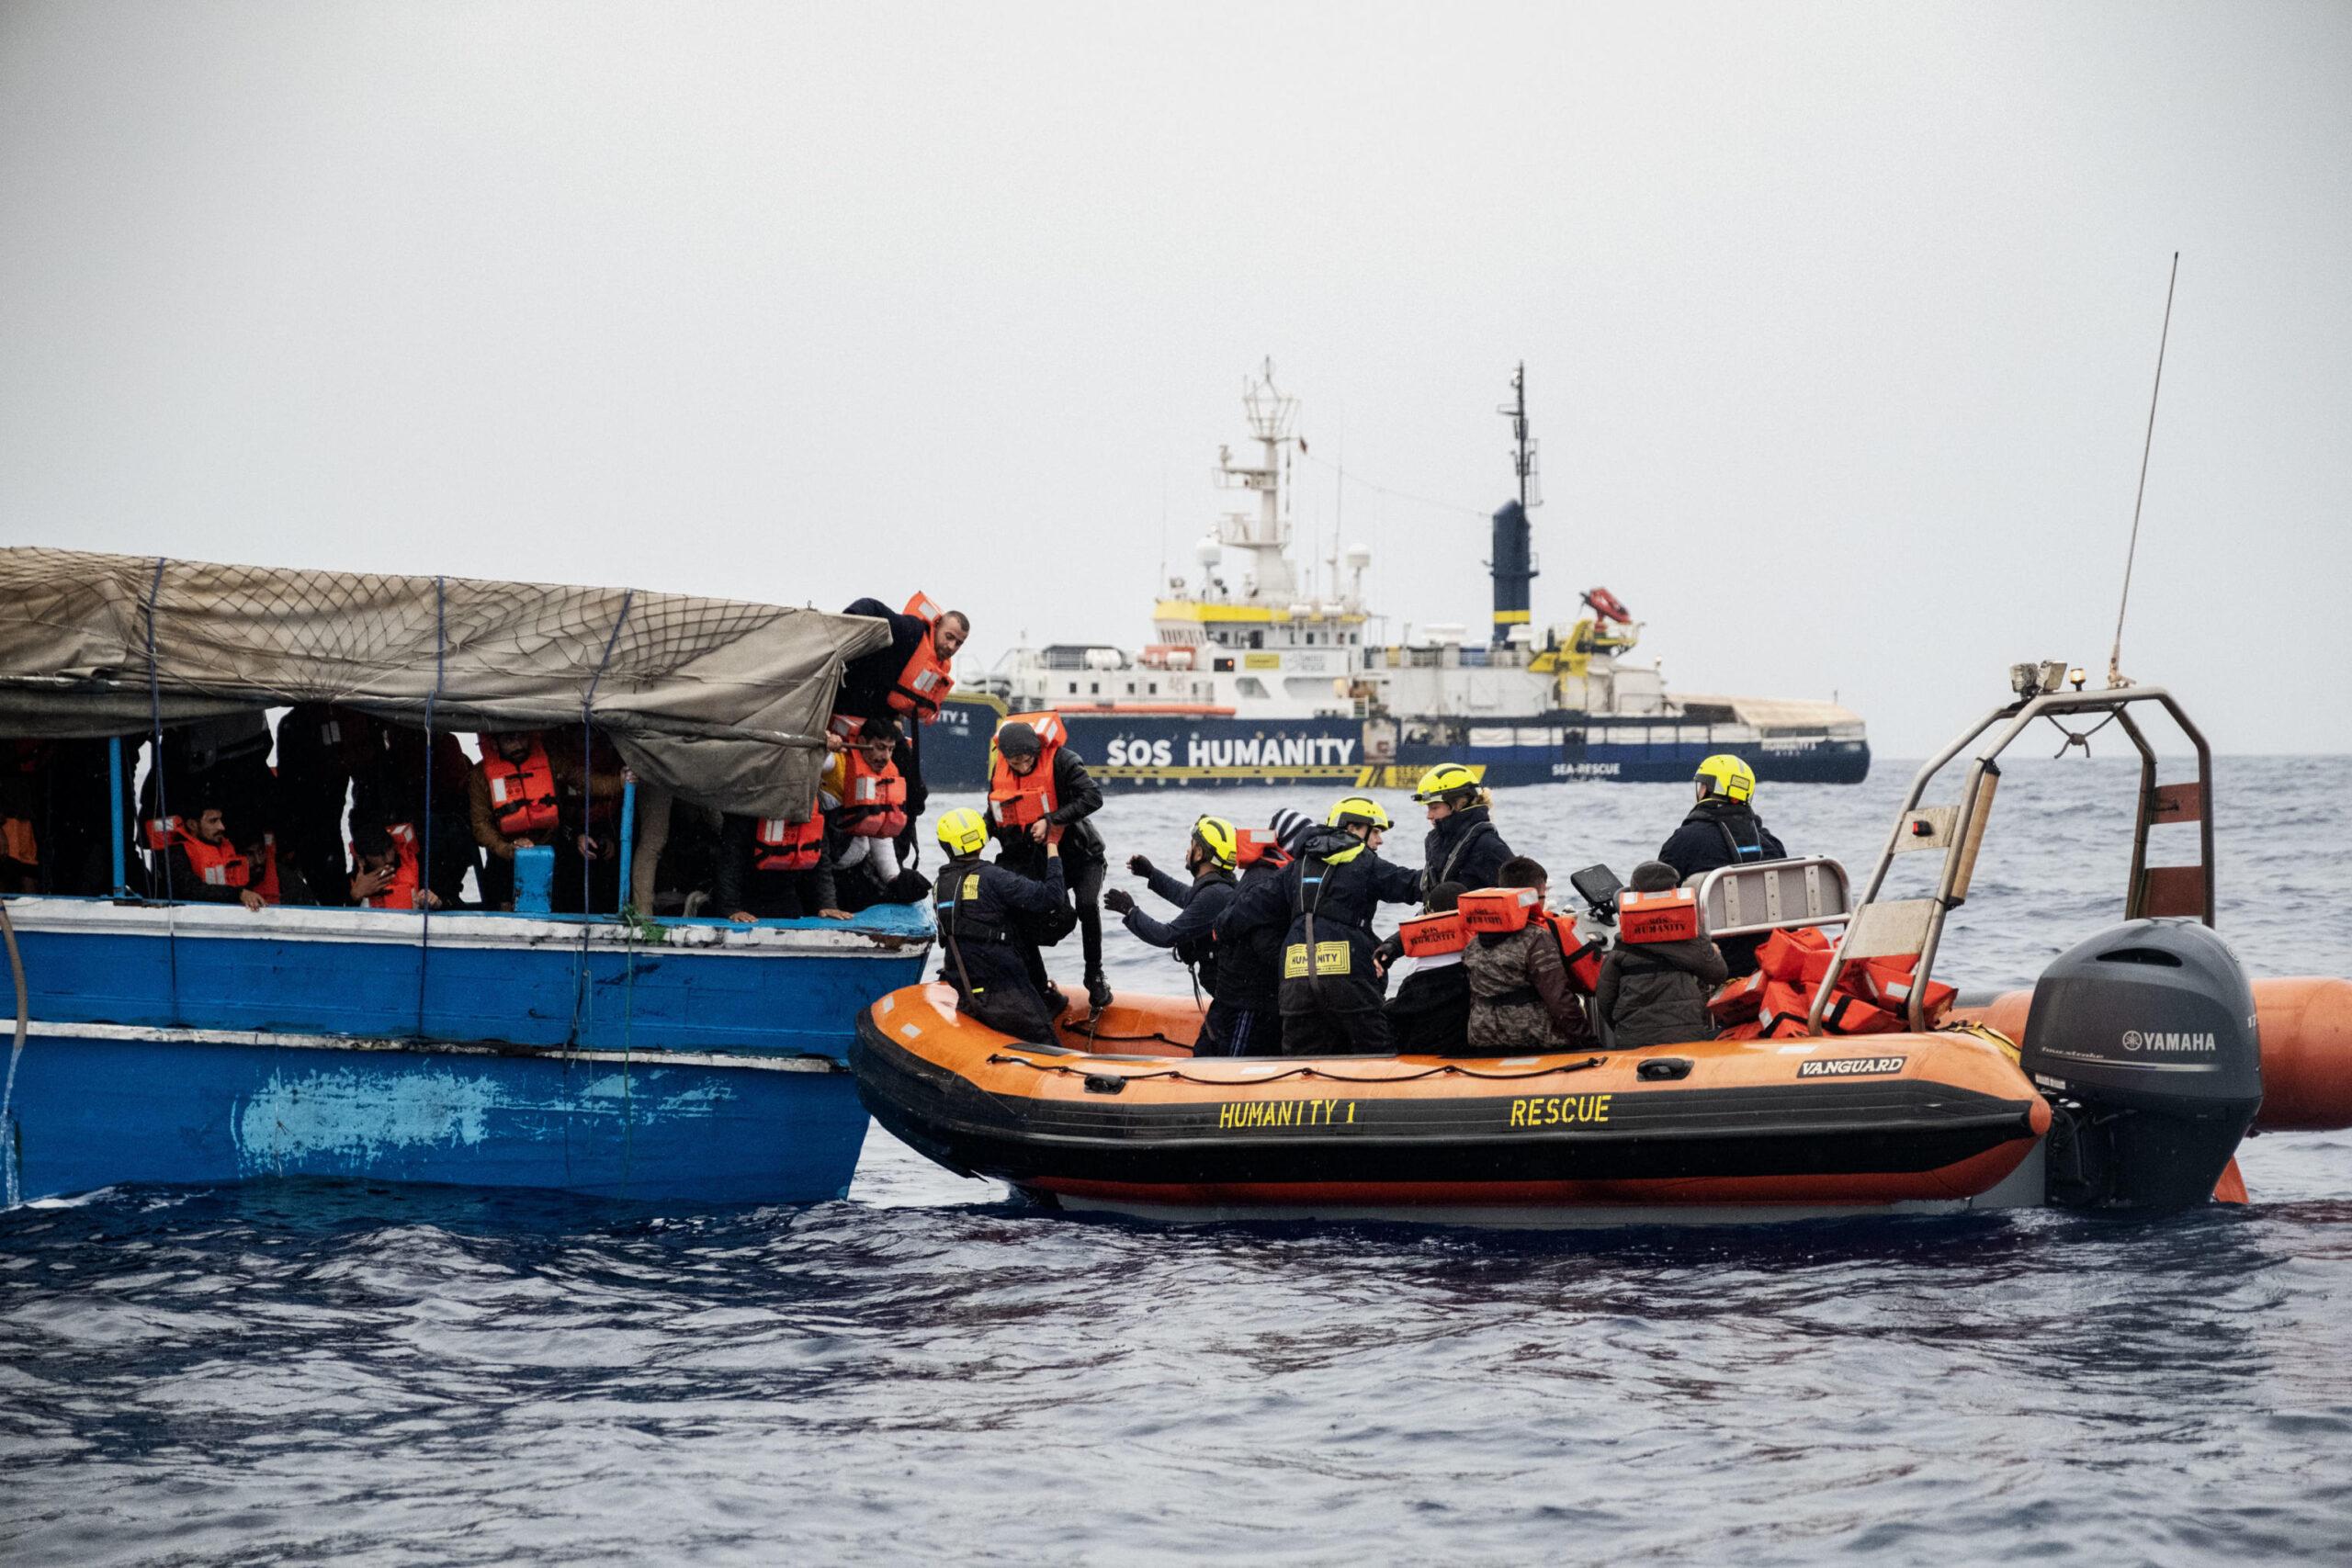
(724, 703)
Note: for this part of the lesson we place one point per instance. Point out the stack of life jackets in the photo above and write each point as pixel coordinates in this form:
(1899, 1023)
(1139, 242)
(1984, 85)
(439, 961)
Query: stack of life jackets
(522, 794)
(401, 894)
(874, 801)
(1506, 909)
(1016, 800)
(1872, 996)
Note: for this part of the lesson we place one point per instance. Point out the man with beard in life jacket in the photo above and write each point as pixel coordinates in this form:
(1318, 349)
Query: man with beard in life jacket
(1245, 1013)
(1723, 829)
(907, 680)
(1211, 857)
(866, 816)
(976, 906)
(1464, 845)
(1332, 985)
(513, 803)
(204, 867)
(1039, 796)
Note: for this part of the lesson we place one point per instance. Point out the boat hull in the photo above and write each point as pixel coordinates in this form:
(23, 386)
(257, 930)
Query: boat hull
(1164, 752)
(696, 1063)
(1746, 1131)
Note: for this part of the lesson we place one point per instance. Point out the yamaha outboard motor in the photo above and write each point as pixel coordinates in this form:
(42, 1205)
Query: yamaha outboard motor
(2143, 1039)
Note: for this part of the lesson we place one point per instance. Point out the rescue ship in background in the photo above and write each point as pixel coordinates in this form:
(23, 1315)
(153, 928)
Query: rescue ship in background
(1253, 679)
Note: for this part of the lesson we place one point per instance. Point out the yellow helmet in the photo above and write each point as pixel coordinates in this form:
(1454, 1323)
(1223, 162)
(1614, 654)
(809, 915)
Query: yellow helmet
(1216, 835)
(1727, 776)
(963, 831)
(1355, 808)
(1445, 779)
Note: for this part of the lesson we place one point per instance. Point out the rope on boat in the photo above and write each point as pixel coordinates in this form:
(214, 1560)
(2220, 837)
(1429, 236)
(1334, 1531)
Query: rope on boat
(163, 801)
(8, 1095)
(431, 756)
(587, 799)
(1179, 1074)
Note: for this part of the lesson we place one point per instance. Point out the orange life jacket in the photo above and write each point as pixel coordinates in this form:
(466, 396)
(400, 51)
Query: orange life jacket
(522, 794)
(164, 831)
(401, 892)
(880, 794)
(1255, 845)
(924, 683)
(216, 865)
(1431, 936)
(779, 845)
(1016, 800)
(266, 883)
(1670, 915)
(16, 841)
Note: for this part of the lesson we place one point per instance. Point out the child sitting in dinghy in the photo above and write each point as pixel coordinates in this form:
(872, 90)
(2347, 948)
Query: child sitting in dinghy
(1655, 993)
(1520, 996)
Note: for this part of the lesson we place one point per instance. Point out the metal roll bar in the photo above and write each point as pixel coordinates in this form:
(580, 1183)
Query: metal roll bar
(1913, 927)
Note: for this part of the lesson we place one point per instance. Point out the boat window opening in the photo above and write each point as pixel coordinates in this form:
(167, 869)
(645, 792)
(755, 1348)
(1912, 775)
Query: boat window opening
(1250, 687)
(1095, 688)
(1257, 639)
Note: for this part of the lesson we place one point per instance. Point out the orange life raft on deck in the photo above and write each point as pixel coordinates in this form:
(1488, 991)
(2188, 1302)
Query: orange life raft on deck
(1119, 1114)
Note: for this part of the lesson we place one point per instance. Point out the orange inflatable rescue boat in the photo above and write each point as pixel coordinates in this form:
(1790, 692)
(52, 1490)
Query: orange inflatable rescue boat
(2123, 1082)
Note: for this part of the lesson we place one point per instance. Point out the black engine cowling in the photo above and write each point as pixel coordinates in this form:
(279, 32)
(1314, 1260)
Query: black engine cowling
(2144, 1038)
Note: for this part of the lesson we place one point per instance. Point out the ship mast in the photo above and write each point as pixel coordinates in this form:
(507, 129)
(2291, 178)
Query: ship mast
(1512, 564)
(1266, 536)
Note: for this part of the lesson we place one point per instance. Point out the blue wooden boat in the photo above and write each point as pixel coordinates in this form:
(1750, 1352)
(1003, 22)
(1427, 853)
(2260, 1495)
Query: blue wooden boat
(681, 1062)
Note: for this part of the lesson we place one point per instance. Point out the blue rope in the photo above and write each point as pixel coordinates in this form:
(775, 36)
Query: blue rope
(424, 870)
(587, 799)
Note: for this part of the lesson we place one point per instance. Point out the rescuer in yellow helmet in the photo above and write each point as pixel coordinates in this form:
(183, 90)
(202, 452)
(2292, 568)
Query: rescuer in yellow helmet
(1723, 829)
(975, 905)
(1211, 857)
(1464, 844)
(1333, 980)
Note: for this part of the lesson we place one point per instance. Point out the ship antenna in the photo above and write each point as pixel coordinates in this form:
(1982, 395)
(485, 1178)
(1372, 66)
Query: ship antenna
(2115, 657)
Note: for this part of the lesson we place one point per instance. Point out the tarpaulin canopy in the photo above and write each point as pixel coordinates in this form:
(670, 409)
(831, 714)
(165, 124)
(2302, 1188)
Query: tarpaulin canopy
(722, 702)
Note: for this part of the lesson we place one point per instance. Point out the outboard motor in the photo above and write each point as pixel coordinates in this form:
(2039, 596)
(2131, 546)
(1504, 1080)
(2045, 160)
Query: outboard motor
(2143, 1039)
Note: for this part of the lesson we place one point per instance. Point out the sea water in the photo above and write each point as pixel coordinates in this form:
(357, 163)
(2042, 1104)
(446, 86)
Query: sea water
(930, 1370)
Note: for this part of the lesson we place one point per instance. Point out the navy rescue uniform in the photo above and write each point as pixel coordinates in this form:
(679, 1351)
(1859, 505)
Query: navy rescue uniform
(975, 905)
(1192, 936)
(1718, 833)
(1465, 847)
(1331, 991)
(1245, 1009)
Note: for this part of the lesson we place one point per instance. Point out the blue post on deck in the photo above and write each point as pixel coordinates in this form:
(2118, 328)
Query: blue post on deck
(114, 791)
(628, 833)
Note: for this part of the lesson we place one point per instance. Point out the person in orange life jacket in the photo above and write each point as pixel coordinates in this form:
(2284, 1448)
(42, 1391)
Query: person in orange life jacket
(1245, 1018)
(770, 869)
(866, 815)
(225, 760)
(1331, 987)
(1074, 797)
(1655, 993)
(511, 805)
(205, 866)
(1520, 995)
(392, 788)
(1723, 829)
(1431, 1011)
(897, 681)
(384, 869)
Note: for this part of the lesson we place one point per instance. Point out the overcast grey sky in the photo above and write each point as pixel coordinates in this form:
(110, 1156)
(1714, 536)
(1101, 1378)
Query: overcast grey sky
(1838, 321)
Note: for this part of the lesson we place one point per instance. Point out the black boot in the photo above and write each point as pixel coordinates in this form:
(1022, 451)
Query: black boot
(1098, 991)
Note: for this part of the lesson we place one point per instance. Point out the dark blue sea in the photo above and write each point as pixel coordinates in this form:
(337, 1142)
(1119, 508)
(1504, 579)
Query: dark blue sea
(929, 1371)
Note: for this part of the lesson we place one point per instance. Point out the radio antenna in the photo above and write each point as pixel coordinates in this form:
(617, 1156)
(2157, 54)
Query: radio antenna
(2115, 656)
